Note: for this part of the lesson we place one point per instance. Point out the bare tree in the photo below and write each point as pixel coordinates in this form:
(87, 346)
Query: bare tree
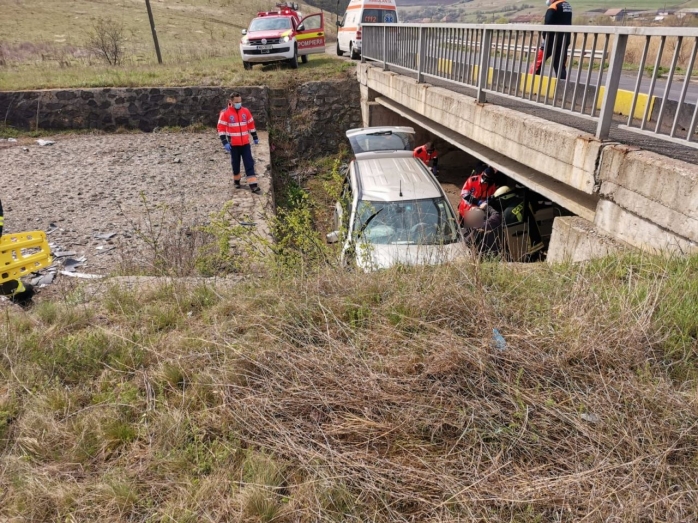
(107, 40)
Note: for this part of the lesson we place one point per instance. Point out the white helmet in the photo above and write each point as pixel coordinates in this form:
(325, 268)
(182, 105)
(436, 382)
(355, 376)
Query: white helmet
(504, 189)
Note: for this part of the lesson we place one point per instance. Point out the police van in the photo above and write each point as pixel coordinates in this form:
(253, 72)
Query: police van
(362, 12)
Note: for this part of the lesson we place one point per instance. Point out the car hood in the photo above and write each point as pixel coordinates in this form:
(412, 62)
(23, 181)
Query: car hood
(376, 257)
(257, 35)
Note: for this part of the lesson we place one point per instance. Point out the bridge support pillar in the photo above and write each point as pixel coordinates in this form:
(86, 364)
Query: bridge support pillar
(575, 239)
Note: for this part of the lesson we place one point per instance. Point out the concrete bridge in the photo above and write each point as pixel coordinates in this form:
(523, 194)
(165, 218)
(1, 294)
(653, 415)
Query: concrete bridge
(627, 187)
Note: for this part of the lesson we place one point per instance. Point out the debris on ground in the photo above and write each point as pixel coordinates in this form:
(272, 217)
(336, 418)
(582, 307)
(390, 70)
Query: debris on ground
(498, 340)
(591, 418)
(83, 275)
(105, 235)
(44, 143)
(71, 264)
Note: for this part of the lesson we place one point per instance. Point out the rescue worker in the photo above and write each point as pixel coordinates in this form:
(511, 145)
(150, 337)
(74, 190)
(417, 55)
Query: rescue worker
(235, 126)
(508, 208)
(559, 13)
(15, 289)
(427, 153)
(476, 190)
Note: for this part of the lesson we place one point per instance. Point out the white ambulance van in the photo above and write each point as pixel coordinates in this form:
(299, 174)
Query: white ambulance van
(362, 12)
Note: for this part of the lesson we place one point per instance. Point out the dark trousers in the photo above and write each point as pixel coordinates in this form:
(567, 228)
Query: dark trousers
(557, 45)
(244, 152)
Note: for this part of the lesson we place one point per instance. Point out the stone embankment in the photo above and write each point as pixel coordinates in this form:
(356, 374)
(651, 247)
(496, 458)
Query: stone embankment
(315, 115)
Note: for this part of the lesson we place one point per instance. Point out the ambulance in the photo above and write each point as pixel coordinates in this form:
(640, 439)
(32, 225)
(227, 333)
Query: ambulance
(362, 12)
(283, 35)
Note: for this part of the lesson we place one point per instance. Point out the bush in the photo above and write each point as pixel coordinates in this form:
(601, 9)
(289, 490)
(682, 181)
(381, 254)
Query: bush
(107, 39)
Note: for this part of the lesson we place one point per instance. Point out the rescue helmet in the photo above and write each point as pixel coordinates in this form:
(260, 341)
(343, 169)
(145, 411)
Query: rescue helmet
(504, 189)
(475, 218)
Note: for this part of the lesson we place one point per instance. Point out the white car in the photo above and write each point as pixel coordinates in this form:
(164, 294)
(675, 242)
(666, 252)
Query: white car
(392, 210)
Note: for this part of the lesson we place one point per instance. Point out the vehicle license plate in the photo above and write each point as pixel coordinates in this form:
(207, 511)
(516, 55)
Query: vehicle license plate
(264, 47)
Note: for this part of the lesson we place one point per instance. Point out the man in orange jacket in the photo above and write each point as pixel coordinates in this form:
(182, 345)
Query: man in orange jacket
(427, 154)
(235, 126)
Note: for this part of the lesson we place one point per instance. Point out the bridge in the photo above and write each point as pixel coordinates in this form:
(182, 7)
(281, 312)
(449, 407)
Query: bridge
(610, 137)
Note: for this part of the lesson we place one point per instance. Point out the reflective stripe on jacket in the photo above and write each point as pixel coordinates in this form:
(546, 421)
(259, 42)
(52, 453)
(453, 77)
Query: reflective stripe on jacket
(237, 125)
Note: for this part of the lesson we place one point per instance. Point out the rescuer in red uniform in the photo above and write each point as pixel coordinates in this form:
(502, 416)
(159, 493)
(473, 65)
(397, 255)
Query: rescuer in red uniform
(427, 154)
(235, 126)
(476, 190)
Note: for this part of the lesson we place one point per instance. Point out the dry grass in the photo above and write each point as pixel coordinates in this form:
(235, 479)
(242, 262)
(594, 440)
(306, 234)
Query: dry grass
(43, 44)
(332, 396)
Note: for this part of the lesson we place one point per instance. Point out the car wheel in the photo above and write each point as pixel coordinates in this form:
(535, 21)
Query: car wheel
(339, 51)
(247, 65)
(352, 52)
(294, 61)
(304, 59)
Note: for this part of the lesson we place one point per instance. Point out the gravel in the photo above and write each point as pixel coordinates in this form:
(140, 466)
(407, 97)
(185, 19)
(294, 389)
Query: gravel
(93, 191)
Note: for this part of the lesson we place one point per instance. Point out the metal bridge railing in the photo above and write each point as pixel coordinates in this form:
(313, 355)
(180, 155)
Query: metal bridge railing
(599, 73)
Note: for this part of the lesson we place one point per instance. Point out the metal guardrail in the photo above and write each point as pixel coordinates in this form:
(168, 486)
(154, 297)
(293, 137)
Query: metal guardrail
(576, 78)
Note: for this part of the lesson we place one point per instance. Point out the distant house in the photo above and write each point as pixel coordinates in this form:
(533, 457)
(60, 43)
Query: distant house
(617, 15)
(690, 11)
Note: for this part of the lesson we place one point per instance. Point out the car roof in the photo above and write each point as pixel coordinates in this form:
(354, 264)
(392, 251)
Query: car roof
(383, 129)
(383, 175)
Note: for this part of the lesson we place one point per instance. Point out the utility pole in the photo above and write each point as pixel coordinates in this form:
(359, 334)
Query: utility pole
(152, 28)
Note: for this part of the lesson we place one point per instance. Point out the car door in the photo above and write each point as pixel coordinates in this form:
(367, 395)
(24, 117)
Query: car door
(311, 36)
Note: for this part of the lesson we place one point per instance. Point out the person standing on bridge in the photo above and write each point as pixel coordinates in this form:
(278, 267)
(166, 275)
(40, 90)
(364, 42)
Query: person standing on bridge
(235, 126)
(427, 153)
(559, 13)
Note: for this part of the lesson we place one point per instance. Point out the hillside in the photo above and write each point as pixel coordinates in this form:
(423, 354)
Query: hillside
(44, 43)
(331, 6)
(495, 10)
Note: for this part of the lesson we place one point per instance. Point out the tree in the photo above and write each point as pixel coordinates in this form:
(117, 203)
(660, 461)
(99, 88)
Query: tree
(107, 40)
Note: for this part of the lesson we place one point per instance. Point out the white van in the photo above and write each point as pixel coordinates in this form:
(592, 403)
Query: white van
(362, 12)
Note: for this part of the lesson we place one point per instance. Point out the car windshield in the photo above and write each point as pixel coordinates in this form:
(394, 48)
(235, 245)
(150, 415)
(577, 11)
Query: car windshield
(381, 141)
(424, 222)
(270, 24)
